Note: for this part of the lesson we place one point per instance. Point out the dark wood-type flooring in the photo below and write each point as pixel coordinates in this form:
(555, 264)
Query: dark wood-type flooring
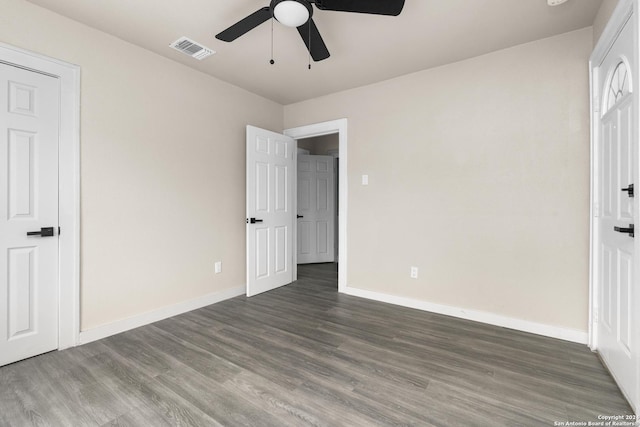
(306, 355)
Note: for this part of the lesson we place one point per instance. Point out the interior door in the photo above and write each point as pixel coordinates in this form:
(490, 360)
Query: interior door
(29, 110)
(617, 213)
(270, 173)
(316, 209)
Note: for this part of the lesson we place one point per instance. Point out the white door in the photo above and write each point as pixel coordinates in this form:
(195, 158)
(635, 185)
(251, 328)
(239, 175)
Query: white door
(316, 209)
(270, 169)
(29, 109)
(617, 213)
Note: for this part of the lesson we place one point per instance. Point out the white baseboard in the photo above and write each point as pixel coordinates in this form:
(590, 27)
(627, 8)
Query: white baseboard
(156, 315)
(123, 325)
(566, 334)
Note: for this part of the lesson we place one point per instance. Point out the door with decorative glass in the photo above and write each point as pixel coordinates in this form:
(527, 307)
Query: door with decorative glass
(616, 213)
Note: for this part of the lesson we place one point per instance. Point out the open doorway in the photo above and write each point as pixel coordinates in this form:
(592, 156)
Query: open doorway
(317, 207)
(337, 129)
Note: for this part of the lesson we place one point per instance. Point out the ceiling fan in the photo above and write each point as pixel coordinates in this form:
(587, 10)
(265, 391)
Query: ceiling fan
(298, 13)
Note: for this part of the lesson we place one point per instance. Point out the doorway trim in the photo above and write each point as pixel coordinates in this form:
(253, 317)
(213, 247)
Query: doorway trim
(338, 126)
(68, 183)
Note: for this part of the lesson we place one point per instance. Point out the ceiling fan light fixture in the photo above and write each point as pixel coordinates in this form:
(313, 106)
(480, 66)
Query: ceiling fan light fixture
(291, 13)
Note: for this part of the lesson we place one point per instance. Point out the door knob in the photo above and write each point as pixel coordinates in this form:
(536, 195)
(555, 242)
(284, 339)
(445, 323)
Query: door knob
(299, 216)
(629, 190)
(625, 230)
(253, 220)
(44, 232)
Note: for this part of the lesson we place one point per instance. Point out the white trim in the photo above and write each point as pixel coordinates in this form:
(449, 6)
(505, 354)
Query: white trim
(68, 183)
(619, 17)
(340, 127)
(566, 334)
(138, 320)
(593, 268)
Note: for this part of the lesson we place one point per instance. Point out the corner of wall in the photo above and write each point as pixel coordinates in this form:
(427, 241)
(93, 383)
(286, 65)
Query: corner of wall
(602, 17)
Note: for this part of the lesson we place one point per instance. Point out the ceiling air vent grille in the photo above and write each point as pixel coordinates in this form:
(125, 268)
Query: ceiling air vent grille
(191, 48)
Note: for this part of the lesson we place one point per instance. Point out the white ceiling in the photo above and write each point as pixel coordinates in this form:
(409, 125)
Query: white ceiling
(364, 48)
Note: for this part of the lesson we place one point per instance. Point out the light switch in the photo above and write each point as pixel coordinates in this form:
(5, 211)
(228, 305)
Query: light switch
(365, 179)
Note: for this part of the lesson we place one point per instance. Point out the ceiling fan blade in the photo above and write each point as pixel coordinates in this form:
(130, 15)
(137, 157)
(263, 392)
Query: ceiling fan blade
(317, 49)
(377, 7)
(245, 25)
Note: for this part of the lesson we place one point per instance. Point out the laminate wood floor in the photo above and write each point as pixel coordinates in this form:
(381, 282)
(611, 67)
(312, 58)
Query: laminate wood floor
(306, 355)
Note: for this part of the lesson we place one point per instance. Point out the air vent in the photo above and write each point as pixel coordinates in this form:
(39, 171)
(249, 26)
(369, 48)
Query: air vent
(191, 48)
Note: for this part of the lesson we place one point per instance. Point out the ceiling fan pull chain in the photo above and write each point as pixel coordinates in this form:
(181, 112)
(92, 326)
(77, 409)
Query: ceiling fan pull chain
(272, 61)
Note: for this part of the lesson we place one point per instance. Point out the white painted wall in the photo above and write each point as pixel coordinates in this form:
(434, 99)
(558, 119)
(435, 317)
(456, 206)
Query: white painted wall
(162, 168)
(479, 175)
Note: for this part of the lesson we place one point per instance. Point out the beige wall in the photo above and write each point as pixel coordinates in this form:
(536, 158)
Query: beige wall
(320, 145)
(604, 13)
(162, 168)
(479, 175)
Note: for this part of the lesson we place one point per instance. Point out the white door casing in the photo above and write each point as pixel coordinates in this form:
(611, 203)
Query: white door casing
(339, 126)
(28, 202)
(270, 173)
(316, 198)
(68, 76)
(615, 291)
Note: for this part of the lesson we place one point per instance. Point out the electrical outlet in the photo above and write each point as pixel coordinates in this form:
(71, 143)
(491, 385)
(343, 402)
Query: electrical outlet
(218, 267)
(414, 272)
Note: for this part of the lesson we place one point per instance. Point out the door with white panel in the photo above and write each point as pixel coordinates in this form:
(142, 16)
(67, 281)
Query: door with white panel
(270, 165)
(29, 114)
(616, 214)
(316, 209)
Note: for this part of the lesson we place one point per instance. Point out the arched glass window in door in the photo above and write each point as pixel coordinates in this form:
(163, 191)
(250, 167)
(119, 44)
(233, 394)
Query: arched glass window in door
(619, 85)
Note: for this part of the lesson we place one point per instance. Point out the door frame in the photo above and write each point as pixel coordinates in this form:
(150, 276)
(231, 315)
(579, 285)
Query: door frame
(68, 183)
(336, 158)
(621, 16)
(338, 126)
